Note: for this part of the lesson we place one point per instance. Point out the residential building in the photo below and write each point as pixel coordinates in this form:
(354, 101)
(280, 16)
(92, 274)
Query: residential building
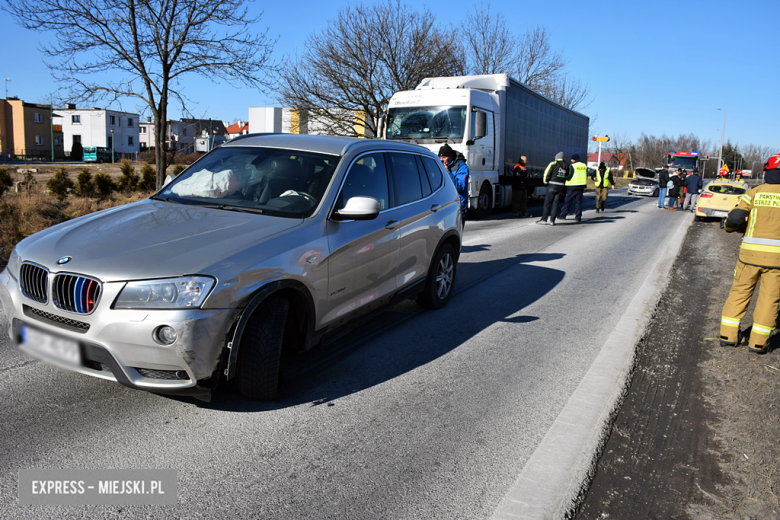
(615, 162)
(99, 127)
(192, 129)
(26, 131)
(146, 134)
(236, 129)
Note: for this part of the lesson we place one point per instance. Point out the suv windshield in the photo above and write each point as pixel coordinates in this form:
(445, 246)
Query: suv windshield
(286, 183)
(426, 122)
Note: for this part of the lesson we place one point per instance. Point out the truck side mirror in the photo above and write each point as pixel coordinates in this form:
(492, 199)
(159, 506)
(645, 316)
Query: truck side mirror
(481, 126)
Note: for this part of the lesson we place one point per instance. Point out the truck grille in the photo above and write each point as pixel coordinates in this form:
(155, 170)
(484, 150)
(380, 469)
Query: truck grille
(75, 293)
(34, 281)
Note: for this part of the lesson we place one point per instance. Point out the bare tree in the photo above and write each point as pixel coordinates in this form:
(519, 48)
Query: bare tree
(490, 48)
(349, 71)
(149, 46)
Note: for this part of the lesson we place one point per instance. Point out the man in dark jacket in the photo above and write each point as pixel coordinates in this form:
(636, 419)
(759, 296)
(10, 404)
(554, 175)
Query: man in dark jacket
(663, 179)
(555, 180)
(518, 182)
(692, 189)
(674, 190)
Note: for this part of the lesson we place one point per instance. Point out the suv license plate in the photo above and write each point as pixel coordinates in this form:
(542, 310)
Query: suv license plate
(61, 349)
(720, 213)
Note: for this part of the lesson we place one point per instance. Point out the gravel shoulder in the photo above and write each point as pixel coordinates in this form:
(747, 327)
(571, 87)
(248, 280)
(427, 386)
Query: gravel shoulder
(697, 434)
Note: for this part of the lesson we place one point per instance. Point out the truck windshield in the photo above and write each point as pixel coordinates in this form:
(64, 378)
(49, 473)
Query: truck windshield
(426, 122)
(685, 162)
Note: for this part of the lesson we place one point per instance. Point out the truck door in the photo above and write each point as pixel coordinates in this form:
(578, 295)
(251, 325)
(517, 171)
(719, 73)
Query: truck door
(484, 149)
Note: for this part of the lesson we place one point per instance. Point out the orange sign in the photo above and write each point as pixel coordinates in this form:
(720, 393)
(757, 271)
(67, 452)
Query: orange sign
(57, 128)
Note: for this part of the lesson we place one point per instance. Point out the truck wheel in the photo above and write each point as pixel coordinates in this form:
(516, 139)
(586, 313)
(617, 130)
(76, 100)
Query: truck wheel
(441, 279)
(484, 202)
(261, 350)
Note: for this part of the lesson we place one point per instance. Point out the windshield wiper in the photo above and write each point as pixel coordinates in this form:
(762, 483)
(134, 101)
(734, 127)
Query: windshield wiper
(404, 139)
(240, 209)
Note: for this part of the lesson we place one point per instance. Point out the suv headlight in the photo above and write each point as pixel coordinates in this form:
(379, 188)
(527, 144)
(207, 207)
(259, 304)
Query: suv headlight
(13, 264)
(188, 292)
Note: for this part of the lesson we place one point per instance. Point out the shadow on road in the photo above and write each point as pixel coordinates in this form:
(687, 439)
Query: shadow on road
(380, 350)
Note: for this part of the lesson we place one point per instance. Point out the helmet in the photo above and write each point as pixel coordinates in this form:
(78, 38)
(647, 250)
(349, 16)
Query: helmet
(773, 162)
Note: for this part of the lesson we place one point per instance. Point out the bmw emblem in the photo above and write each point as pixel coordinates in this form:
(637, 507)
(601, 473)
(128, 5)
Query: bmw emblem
(64, 260)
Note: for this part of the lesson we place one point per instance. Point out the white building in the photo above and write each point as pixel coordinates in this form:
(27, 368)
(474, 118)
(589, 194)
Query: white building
(146, 134)
(98, 127)
(296, 121)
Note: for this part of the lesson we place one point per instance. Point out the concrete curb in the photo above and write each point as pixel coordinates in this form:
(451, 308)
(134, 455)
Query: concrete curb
(558, 474)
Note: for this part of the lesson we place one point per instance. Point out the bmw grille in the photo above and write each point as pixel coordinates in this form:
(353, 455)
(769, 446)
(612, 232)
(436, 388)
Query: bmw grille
(34, 281)
(75, 293)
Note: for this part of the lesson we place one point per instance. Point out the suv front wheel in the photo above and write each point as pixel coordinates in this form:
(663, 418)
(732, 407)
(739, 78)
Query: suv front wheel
(260, 352)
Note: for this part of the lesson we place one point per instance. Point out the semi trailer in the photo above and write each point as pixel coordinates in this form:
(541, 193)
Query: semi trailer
(492, 120)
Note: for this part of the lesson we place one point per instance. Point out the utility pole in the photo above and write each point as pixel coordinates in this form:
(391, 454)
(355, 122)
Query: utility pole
(722, 133)
(51, 124)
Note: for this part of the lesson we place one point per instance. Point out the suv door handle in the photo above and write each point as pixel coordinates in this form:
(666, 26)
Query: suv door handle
(391, 224)
(435, 208)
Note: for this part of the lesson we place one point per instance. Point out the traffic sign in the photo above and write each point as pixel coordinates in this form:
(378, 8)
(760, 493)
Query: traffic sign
(601, 139)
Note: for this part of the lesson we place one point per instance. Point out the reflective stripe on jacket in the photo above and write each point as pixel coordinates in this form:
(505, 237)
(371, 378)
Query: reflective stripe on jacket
(555, 175)
(580, 177)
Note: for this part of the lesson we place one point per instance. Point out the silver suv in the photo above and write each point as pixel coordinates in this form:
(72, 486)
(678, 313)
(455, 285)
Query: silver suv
(263, 247)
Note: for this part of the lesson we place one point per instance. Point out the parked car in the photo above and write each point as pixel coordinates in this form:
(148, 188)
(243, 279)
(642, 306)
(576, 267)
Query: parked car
(718, 198)
(265, 247)
(646, 183)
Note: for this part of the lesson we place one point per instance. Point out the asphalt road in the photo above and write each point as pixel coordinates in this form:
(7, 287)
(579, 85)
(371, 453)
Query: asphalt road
(420, 414)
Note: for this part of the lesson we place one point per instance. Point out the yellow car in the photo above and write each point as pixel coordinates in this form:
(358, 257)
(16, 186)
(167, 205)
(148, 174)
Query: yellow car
(718, 198)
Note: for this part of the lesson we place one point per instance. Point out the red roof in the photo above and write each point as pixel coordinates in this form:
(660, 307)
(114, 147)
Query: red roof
(235, 129)
(606, 157)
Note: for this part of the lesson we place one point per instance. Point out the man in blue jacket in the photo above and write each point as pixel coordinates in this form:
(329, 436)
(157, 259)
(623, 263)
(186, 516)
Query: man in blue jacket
(455, 163)
(692, 188)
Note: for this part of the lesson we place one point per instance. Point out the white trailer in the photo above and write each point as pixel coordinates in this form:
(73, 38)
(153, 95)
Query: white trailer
(492, 120)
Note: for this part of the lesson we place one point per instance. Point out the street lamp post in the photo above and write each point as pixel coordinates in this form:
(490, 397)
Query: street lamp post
(722, 133)
(112, 146)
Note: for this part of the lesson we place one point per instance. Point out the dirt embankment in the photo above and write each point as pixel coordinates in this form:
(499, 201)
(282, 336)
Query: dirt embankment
(697, 435)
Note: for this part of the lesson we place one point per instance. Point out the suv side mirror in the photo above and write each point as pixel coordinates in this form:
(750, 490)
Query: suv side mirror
(358, 208)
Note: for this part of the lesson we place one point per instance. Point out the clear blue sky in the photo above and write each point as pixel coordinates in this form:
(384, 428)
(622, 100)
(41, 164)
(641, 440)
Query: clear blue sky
(660, 67)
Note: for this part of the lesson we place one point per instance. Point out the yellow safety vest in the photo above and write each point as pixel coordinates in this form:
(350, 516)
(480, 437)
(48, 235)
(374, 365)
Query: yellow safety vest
(599, 184)
(580, 177)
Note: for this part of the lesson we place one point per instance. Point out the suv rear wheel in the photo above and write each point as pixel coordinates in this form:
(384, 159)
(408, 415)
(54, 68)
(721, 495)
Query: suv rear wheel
(260, 351)
(441, 279)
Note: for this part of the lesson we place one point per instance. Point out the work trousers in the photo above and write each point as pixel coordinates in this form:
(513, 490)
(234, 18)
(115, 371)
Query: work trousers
(551, 200)
(519, 200)
(690, 200)
(573, 194)
(661, 197)
(601, 197)
(764, 317)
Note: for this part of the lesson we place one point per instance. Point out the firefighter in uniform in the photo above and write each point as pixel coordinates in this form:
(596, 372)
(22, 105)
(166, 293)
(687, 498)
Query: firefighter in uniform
(604, 180)
(758, 215)
(576, 182)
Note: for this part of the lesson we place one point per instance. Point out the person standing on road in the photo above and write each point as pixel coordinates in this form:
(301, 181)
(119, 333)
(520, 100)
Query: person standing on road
(519, 187)
(604, 180)
(455, 163)
(663, 180)
(576, 182)
(555, 180)
(693, 186)
(758, 216)
(682, 174)
(673, 187)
